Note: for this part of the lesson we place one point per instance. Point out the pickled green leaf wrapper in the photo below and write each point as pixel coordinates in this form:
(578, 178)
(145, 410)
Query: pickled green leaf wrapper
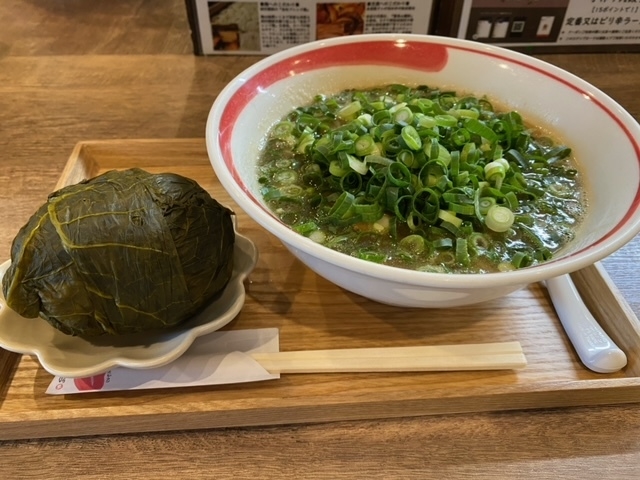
(124, 252)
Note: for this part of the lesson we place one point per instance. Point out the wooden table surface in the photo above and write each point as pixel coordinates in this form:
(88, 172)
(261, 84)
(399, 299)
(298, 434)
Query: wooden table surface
(73, 70)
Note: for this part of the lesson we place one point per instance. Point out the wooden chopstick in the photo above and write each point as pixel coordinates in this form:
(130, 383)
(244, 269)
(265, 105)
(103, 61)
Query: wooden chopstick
(487, 356)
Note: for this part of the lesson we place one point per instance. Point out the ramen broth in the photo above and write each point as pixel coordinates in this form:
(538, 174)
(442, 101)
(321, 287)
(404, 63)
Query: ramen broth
(424, 179)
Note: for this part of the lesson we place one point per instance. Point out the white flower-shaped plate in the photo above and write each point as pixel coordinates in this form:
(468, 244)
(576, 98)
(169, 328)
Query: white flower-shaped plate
(69, 356)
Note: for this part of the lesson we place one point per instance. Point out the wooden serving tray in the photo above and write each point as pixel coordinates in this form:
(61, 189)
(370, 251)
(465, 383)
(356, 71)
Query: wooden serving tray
(312, 313)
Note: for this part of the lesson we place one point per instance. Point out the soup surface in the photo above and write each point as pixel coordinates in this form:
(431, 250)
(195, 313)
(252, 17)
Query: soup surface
(420, 178)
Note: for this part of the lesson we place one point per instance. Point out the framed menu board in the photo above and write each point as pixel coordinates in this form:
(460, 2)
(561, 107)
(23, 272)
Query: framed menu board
(265, 27)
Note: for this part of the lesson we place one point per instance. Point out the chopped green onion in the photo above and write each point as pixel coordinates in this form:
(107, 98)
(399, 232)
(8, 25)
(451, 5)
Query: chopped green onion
(408, 158)
(381, 116)
(365, 119)
(365, 145)
(304, 142)
(485, 203)
(521, 259)
(283, 129)
(375, 257)
(512, 200)
(426, 205)
(318, 236)
(450, 227)
(350, 110)
(478, 241)
(425, 121)
(351, 182)
(461, 209)
(378, 159)
(336, 169)
(495, 172)
(446, 120)
(462, 252)
(499, 219)
(477, 127)
(465, 113)
(448, 216)
(367, 212)
(411, 138)
(398, 174)
(442, 243)
(305, 228)
(412, 244)
(357, 165)
(342, 206)
(402, 115)
(286, 177)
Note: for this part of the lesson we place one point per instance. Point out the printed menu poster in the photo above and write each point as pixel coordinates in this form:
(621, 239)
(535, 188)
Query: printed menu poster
(513, 23)
(251, 27)
(601, 22)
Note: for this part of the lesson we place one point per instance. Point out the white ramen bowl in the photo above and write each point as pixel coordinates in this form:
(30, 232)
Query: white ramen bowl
(604, 137)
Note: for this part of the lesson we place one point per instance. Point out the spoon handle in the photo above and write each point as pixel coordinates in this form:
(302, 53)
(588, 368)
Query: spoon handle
(594, 347)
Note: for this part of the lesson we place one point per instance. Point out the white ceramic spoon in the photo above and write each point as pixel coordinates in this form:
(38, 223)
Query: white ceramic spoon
(594, 347)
